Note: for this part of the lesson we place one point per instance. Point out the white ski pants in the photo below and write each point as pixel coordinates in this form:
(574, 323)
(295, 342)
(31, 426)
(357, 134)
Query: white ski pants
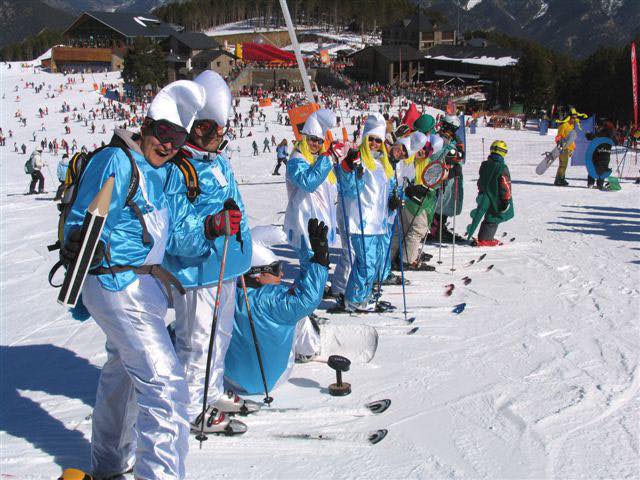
(194, 315)
(140, 416)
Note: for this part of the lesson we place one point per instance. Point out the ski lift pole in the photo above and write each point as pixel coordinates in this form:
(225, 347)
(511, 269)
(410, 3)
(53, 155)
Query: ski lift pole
(296, 50)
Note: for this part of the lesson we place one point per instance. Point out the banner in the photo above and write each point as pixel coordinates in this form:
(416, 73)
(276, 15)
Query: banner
(299, 115)
(634, 80)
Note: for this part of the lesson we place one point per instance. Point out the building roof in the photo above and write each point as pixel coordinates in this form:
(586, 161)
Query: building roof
(210, 55)
(395, 53)
(491, 55)
(129, 24)
(196, 40)
(418, 22)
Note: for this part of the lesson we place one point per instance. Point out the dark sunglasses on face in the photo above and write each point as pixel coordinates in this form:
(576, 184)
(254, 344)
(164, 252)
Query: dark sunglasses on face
(375, 140)
(274, 268)
(315, 139)
(167, 132)
(209, 128)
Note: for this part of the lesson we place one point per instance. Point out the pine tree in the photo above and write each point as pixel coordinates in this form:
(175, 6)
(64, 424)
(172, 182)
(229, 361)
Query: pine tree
(144, 65)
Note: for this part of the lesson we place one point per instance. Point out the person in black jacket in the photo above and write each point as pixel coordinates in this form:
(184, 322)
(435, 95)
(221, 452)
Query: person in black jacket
(601, 155)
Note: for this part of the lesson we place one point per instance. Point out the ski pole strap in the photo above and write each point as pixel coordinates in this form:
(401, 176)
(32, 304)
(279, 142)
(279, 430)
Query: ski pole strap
(162, 275)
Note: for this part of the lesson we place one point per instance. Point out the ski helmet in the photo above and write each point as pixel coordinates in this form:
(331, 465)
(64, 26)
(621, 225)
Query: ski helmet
(499, 147)
(450, 123)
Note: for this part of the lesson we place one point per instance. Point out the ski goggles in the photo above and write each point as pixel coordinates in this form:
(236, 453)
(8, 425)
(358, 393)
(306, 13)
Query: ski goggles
(167, 132)
(375, 140)
(314, 139)
(209, 128)
(274, 268)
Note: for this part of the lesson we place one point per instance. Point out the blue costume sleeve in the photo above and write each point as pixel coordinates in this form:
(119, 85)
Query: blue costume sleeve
(347, 181)
(108, 162)
(187, 237)
(305, 176)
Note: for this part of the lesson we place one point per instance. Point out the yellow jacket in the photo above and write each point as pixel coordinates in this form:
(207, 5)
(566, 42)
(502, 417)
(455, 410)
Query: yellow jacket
(563, 130)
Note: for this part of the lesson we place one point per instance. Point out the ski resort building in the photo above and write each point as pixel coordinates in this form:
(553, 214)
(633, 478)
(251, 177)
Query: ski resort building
(387, 64)
(418, 32)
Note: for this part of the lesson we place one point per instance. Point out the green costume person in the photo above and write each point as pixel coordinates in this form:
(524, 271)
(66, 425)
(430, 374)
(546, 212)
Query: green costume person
(494, 201)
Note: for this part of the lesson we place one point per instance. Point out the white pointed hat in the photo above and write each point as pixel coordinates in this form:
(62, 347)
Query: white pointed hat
(262, 237)
(413, 142)
(319, 122)
(218, 103)
(178, 103)
(375, 125)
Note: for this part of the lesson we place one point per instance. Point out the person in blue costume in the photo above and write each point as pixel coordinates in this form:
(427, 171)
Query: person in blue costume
(140, 415)
(366, 183)
(218, 192)
(277, 310)
(311, 184)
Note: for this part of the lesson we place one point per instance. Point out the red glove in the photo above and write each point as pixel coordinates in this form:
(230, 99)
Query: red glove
(338, 149)
(214, 225)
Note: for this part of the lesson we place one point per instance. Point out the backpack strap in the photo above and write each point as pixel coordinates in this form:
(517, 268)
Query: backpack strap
(190, 175)
(134, 183)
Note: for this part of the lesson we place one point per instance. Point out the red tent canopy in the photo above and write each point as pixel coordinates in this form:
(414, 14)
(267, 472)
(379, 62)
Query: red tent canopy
(257, 52)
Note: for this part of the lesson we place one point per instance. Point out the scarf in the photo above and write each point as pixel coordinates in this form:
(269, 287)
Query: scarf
(303, 148)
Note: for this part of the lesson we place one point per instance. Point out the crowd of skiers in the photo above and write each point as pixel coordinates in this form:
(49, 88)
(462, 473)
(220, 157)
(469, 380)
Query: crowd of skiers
(177, 237)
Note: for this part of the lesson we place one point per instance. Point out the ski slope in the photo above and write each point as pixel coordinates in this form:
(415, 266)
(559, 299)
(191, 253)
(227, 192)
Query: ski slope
(537, 378)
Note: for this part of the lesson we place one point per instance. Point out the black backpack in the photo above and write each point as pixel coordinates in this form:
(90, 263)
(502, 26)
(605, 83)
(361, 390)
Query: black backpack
(77, 166)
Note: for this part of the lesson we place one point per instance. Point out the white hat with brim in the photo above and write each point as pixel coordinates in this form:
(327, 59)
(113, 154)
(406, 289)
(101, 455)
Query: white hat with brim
(262, 237)
(178, 103)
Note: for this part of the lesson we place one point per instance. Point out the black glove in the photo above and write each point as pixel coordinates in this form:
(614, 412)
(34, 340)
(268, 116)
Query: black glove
(318, 239)
(401, 131)
(395, 202)
(71, 248)
(353, 161)
(416, 193)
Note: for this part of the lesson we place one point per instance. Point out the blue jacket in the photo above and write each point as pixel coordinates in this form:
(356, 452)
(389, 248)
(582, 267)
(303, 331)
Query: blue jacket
(276, 310)
(281, 152)
(61, 170)
(217, 184)
(122, 232)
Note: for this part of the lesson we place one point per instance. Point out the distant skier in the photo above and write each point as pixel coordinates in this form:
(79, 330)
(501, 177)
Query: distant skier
(566, 140)
(602, 154)
(281, 155)
(61, 172)
(36, 163)
(255, 149)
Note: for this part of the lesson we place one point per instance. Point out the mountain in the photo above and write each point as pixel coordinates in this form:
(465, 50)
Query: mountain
(79, 6)
(21, 18)
(576, 27)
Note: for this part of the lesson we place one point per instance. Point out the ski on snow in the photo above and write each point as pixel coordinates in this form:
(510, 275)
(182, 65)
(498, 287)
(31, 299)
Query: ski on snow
(372, 408)
(371, 438)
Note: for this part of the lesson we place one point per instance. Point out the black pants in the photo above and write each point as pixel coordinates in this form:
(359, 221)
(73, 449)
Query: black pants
(280, 162)
(487, 230)
(36, 178)
(59, 192)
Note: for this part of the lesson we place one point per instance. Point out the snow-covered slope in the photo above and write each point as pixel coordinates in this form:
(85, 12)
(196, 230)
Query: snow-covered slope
(537, 378)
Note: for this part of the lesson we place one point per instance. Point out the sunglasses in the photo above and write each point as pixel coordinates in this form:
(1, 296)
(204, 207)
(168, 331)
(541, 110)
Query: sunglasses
(274, 268)
(375, 140)
(167, 132)
(209, 128)
(314, 139)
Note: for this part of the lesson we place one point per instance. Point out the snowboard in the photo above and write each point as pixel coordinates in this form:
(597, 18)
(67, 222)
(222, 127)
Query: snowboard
(356, 342)
(547, 161)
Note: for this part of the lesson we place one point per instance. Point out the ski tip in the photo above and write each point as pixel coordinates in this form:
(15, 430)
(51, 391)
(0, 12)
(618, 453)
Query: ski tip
(378, 436)
(490, 267)
(412, 331)
(74, 474)
(410, 320)
(378, 406)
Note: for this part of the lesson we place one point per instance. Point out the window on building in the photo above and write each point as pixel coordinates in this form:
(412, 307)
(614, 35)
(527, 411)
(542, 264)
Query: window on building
(448, 35)
(427, 36)
(218, 63)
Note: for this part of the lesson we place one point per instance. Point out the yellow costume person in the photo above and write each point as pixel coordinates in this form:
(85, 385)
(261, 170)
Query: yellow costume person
(566, 140)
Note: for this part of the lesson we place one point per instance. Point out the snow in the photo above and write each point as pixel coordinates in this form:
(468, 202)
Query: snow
(483, 60)
(537, 378)
(472, 3)
(243, 26)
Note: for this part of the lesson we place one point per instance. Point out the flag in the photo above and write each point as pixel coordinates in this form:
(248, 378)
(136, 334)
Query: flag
(411, 116)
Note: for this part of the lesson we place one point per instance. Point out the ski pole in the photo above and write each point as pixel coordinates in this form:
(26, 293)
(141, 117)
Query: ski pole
(440, 224)
(453, 236)
(404, 295)
(267, 398)
(216, 308)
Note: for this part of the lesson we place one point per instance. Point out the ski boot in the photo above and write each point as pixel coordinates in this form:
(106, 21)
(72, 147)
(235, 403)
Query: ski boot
(425, 257)
(394, 279)
(561, 182)
(218, 423)
(419, 267)
(328, 294)
(231, 403)
(486, 243)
